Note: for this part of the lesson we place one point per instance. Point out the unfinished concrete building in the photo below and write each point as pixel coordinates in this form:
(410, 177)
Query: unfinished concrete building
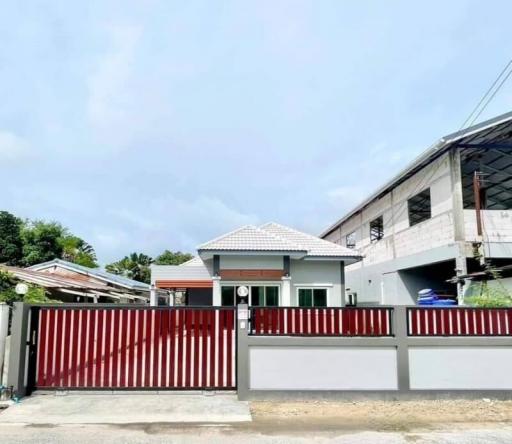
(420, 229)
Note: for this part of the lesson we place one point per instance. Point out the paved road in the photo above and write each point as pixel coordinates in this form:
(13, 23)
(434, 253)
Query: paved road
(242, 433)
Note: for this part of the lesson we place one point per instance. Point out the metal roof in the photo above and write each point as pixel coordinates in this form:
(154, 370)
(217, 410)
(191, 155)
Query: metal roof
(69, 284)
(490, 131)
(93, 272)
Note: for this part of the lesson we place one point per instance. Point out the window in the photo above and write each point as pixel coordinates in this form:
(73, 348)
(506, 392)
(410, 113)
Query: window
(265, 296)
(419, 207)
(227, 296)
(377, 229)
(350, 240)
(312, 297)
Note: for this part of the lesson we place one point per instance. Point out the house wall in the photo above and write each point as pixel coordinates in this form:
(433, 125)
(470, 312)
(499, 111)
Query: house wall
(375, 278)
(320, 274)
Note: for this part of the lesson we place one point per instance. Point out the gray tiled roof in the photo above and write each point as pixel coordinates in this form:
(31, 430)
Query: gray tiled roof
(250, 238)
(276, 237)
(314, 245)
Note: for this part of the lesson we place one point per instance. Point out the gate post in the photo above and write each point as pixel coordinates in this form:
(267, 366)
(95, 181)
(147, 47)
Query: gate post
(242, 351)
(18, 349)
(401, 336)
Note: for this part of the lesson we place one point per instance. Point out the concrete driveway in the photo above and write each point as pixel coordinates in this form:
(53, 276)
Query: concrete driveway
(133, 408)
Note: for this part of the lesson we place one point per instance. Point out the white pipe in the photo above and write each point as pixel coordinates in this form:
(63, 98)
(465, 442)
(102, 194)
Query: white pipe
(4, 324)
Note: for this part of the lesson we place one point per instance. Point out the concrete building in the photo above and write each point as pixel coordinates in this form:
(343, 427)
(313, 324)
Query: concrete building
(420, 229)
(271, 265)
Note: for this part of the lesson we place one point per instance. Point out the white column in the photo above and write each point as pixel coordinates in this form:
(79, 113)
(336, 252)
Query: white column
(153, 300)
(286, 291)
(4, 322)
(172, 296)
(217, 299)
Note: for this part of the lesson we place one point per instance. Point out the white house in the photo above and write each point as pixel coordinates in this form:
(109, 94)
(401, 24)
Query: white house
(271, 265)
(420, 229)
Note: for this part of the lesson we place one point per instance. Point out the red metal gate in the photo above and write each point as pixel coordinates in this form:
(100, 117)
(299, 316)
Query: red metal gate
(136, 348)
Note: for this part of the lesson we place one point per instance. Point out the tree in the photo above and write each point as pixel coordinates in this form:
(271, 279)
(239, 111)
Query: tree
(45, 241)
(135, 266)
(78, 251)
(11, 245)
(172, 258)
(41, 242)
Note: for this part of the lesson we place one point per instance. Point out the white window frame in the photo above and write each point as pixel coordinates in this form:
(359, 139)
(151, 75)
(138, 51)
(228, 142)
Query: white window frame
(326, 287)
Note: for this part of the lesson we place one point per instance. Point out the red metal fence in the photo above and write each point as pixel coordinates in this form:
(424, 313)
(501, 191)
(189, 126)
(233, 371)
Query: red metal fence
(291, 321)
(437, 321)
(173, 348)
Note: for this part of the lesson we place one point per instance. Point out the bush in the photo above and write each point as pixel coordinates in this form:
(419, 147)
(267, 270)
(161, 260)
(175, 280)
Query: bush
(489, 296)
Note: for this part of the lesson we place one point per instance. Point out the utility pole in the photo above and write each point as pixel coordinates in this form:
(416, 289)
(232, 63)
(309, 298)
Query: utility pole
(478, 203)
(477, 191)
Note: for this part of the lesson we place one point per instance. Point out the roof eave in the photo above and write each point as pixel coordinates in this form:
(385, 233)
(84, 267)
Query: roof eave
(209, 253)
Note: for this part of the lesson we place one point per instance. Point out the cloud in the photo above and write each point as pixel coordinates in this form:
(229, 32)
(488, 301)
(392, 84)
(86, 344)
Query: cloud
(109, 102)
(164, 223)
(13, 148)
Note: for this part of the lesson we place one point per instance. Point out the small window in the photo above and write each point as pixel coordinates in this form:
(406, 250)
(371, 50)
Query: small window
(419, 207)
(227, 296)
(312, 297)
(350, 240)
(377, 229)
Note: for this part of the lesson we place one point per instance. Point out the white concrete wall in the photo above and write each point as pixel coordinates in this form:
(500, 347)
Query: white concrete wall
(400, 240)
(322, 368)
(317, 274)
(393, 207)
(456, 368)
(497, 225)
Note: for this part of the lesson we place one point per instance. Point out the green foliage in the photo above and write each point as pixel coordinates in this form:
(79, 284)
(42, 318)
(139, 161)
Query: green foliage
(41, 242)
(44, 241)
(135, 266)
(172, 258)
(78, 251)
(35, 294)
(490, 294)
(11, 245)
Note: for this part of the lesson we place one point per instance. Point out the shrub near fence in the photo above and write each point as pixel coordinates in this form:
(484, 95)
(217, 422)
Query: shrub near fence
(347, 321)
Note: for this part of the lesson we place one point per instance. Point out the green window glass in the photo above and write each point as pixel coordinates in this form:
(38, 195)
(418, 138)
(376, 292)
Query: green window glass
(228, 296)
(312, 297)
(257, 296)
(272, 296)
(320, 297)
(305, 297)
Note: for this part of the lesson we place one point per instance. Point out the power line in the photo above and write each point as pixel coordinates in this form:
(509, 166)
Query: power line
(472, 119)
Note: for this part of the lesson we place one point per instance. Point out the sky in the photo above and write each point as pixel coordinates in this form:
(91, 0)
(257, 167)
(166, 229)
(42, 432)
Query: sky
(152, 125)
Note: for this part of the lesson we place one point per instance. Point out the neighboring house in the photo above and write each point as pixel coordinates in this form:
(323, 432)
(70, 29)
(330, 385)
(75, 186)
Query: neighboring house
(75, 283)
(274, 264)
(420, 229)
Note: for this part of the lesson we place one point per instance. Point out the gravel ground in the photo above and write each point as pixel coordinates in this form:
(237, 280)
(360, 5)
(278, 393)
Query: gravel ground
(383, 415)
